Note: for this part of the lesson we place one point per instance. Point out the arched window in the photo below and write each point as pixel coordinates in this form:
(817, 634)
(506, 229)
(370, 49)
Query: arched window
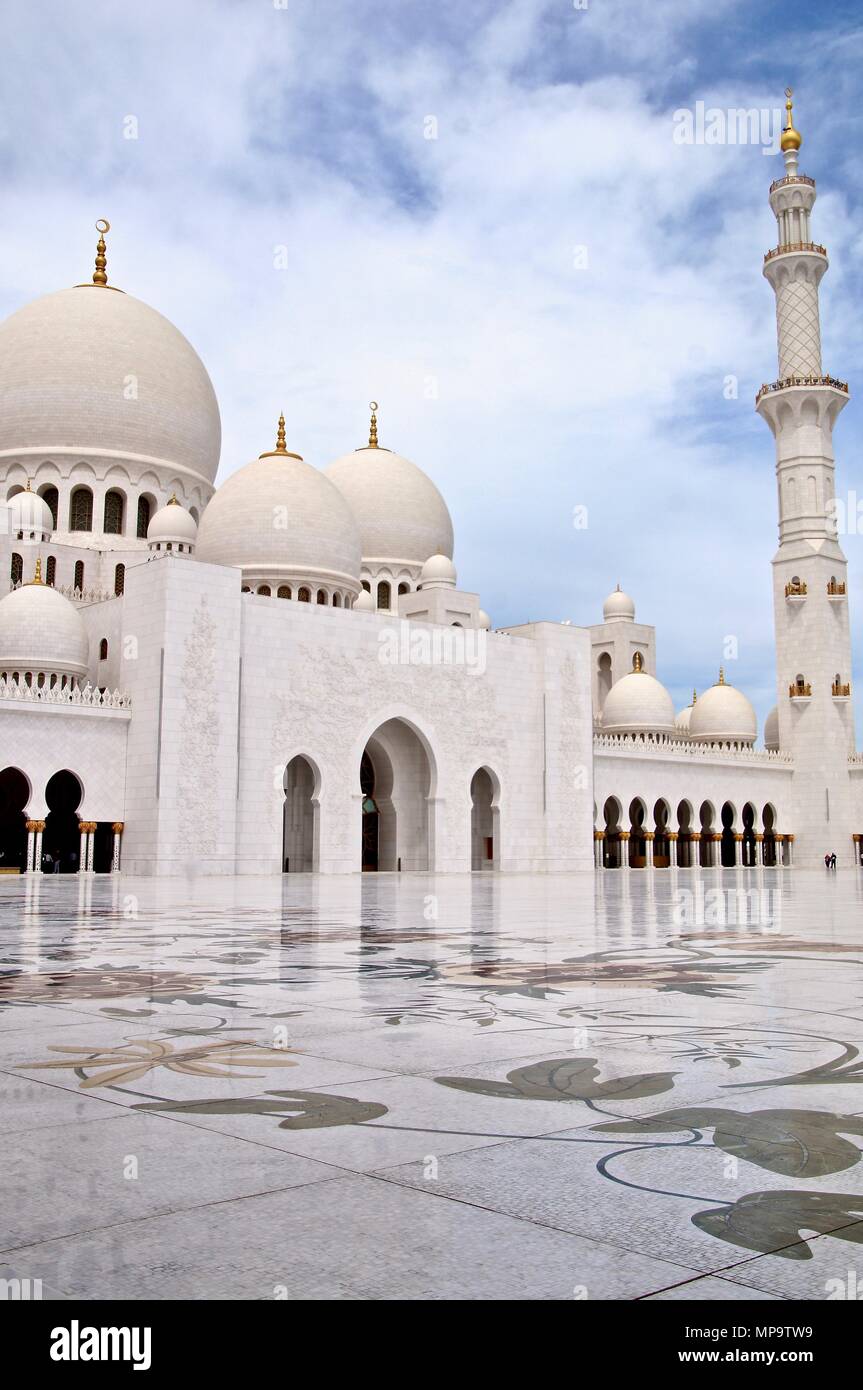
(264, 590)
(103, 649)
(322, 595)
(119, 579)
(245, 589)
(51, 571)
(337, 600)
(284, 591)
(304, 595)
(404, 588)
(143, 517)
(113, 518)
(367, 586)
(17, 569)
(81, 510)
(51, 498)
(383, 594)
(79, 576)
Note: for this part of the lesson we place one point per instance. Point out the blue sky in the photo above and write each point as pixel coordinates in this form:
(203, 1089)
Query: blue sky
(546, 299)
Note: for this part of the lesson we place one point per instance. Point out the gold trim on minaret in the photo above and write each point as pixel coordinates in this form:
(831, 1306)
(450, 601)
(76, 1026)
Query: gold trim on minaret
(281, 449)
(791, 138)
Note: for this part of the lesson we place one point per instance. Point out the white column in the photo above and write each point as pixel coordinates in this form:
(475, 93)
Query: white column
(117, 828)
(648, 848)
(624, 849)
(34, 846)
(738, 850)
(759, 849)
(672, 848)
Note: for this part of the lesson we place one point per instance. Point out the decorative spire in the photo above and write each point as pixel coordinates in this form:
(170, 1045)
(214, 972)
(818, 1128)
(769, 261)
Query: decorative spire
(791, 138)
(99, 274)
(37, 577)
(638, 662)
(28, 488)
(281, 450)
(373, 425)
(172, 500)
(694, 696)
(721, 680)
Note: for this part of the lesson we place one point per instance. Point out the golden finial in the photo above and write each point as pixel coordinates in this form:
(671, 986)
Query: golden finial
(373, 426)
(99, 275)
(28, 488)
(638, 662)
(791, 138)
(172, 500)
(37, 577)
(721, 680)
(281, 449)
(694, 696)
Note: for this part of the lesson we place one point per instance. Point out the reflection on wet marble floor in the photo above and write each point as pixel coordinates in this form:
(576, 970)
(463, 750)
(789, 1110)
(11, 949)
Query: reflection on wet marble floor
(471, 1087)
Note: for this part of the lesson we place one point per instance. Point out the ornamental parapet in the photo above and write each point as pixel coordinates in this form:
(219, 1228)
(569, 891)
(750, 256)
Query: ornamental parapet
(792, 178)
(646, 745)
(795, 246)
(88, 696)
(811, 380)
(71, 591)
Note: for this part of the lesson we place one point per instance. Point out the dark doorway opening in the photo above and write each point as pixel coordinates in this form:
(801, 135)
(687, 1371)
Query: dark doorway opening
(61, 841)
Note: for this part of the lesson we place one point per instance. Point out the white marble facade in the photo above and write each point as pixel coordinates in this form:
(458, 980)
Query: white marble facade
(281, 674)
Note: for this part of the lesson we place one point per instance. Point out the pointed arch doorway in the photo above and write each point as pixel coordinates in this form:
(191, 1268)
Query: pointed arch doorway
(397, 778)
(484, 820)
(300, 817)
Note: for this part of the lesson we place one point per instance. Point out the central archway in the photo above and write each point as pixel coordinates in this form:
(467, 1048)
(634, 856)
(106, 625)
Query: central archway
(396, 779)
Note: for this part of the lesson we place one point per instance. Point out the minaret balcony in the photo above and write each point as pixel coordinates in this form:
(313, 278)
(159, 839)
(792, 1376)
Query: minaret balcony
(795, 590)
(800, 691)
(785, 383)
(790, 247)
(836, 591)
(840, 691)
(790, 179)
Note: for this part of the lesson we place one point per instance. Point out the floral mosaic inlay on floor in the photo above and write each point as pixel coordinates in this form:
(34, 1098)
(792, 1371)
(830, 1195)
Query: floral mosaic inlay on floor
(457, 1087)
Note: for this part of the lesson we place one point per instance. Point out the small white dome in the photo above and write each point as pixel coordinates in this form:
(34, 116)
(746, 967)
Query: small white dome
(638, 704)
(41, 632)
(172, 523)
(29, 514)
(63, 361)
(438, 572)
(400, 513)
(723, 715)
(279, 518)
(618, 607)
(681, 723)
(771, 730)
(483, 620)
(364, 602)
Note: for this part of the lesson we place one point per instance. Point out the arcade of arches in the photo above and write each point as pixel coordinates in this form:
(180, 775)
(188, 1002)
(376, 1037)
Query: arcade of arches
(636, 837)
(62, 843)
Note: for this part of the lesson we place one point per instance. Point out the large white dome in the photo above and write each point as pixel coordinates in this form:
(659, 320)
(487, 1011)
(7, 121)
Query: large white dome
(94, 370)
(401, 515)
(41, 632)
(723, 715)
(638, 704)
(279, 518)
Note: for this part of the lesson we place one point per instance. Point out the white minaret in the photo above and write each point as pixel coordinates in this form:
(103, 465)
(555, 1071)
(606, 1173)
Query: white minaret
(813, 646)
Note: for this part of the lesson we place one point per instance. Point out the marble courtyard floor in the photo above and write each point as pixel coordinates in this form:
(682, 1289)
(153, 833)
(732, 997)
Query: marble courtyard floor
(413, 1087)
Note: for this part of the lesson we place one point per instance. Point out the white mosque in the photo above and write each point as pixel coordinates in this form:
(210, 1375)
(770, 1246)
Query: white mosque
(282, 675)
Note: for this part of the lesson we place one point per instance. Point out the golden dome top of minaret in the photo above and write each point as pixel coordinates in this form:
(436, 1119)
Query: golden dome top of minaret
(791, 138)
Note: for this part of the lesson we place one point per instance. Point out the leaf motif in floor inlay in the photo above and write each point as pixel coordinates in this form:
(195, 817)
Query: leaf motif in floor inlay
(567, 1078)
(706, 977)
(771, 1222)
(130, 1061)
(796, 1143)
(301, 1109)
